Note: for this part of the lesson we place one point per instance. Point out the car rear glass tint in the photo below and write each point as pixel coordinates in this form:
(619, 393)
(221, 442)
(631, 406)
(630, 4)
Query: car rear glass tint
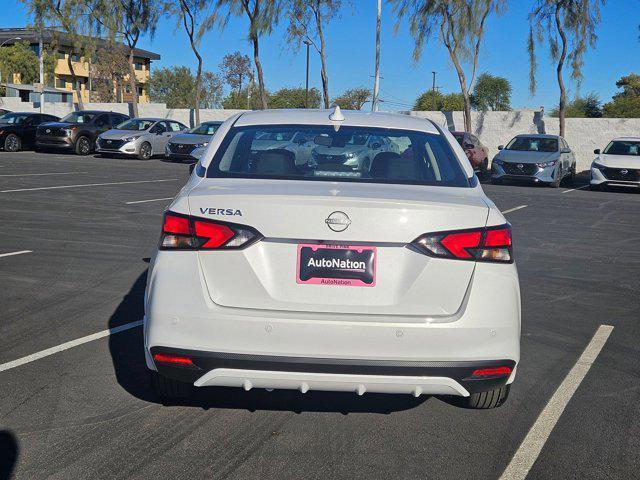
(351, 154)
(533, 144)
(620, 147)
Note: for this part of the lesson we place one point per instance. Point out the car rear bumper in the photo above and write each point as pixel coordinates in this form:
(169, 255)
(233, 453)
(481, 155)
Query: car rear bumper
(385, 353)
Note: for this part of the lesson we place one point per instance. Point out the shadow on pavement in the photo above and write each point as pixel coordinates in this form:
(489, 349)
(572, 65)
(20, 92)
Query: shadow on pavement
(127, 354)
(8, 454)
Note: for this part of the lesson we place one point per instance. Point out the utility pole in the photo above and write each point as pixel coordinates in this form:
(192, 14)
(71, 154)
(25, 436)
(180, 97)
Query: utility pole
(376, 82)
(306, 91)
(433, 91)
(41, 66)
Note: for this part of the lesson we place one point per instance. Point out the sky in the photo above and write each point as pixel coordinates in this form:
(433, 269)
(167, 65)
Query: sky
(351, 53)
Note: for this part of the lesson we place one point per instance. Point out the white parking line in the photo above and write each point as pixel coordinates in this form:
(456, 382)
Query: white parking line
(151, 200)
(40, 174)
(86, 185)
(515, 208)
(65, 346)
(574, 189)
(15, 253)
(533, 443)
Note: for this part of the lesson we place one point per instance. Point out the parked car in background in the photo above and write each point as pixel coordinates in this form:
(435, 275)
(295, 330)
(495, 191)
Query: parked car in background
(183, 146)
(77, 131)
(3, 111)
(350, 153)
(535, 158)
(18, 130)
(477, 153)
(140, 137)
(618, 164)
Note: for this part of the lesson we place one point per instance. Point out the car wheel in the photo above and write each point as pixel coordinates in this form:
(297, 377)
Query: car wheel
(557, 181)
(83, 146)
(12, 143)
(168, 388)
(484, 169)
(486, 400)
(145, 151)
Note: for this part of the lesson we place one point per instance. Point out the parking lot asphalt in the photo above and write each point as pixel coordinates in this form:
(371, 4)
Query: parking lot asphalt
(80, 232)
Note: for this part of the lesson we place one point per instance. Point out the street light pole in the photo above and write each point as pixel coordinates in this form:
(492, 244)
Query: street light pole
(376, 82)
(2, 45)
(306, 91)
(41, 65)
(433, 91)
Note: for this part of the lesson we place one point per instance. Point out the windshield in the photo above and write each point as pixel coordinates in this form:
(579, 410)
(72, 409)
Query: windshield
(13, 118)
(78, 117)
(623, 147)
(400, 157)
(205, 129)
(138, 124)
(533, 144)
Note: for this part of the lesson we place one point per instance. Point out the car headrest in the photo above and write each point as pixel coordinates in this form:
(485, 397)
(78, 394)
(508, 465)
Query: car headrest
(274, 162)
(391, 166)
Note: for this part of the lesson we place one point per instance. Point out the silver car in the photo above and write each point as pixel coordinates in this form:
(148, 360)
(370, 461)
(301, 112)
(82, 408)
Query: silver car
(356, 153)
(536, 158)
(190, 145)
(140, 137)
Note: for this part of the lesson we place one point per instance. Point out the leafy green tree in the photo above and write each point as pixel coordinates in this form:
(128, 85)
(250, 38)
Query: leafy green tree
(588, 106)
(235, 68)
(307, 19)
(453, 102)
(569, 27)
(176, 86)
(461, 27)
(263, 17)
(108, 74)
(449, 102)
(248, 98)
(20, 60)
(294, 98)
(491, 93)
(353, 99)
(625, 104)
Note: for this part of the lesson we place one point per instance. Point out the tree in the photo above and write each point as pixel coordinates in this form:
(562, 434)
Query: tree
(625, 104)
(262, 16)
(353, 99)
(129, 19)
(491, 93)
(449, 102)
(306, 19)
(588, 106)
(247, 98)
(294, 98)
(570, 27)
(18, 59)
(461, 27)
(176, 87)
(235, 68)
(109, 73)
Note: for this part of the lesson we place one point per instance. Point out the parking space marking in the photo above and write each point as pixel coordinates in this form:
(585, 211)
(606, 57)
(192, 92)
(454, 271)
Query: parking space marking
(11, 254)
(533, 443)
(86, 185)
(40, 174)
(67, 345)
(150, 200)
(520, 207)
(574, 189)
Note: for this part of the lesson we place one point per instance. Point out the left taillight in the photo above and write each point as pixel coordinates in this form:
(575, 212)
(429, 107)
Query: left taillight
(490, 244)
(183, 232)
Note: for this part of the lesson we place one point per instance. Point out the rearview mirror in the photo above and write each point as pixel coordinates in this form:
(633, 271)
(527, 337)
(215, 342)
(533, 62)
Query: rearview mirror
(597, 151)
(323, 140)
(500, 147)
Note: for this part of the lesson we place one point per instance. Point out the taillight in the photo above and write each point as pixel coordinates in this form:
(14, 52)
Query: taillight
(183, 232)
(491, 244)
(174, 360)
(492, 372)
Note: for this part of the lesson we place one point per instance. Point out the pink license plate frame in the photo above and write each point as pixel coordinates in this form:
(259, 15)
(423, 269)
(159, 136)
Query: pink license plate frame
(343, 282)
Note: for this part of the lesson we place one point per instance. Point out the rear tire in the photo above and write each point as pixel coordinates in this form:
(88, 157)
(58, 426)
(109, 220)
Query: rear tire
(168, 388)
(486, 400)
(12, 143)
(83, 146)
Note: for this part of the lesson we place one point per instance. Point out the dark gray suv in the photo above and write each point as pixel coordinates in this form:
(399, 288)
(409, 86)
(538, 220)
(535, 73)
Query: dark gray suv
(77, 131)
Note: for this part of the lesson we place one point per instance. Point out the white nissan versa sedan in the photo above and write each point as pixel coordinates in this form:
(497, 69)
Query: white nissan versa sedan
(397, 278)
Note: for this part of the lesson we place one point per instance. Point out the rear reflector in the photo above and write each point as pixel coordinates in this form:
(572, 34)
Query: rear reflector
(183, 232)
(171, 359)
(491, 244)
(492, 372)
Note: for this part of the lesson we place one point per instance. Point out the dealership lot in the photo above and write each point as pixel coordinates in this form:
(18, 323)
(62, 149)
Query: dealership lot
(76, 235)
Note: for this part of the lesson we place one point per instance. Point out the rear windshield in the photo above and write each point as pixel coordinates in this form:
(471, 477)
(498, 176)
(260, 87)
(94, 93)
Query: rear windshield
(620, 147)
(352, 154)
(205, 129)
(533, 144)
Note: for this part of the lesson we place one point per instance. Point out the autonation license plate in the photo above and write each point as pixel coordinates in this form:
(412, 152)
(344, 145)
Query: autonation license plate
(343, 265)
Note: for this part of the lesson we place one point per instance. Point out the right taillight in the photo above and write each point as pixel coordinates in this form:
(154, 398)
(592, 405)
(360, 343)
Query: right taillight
(183, 232)
(490, 244)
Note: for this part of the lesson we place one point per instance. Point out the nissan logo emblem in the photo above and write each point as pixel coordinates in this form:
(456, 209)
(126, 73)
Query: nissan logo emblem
(624, 171)
(338, 221)
(108, 141)
(48, 130)
(520, 166)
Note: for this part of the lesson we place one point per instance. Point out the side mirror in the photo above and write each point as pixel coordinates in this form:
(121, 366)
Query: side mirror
(469, 145)
(565, 150)
(597, 151)
(500, 147)
(192, 167)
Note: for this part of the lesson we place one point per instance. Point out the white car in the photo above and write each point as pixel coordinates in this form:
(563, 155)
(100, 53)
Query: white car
(618, 164)
(396, 280)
